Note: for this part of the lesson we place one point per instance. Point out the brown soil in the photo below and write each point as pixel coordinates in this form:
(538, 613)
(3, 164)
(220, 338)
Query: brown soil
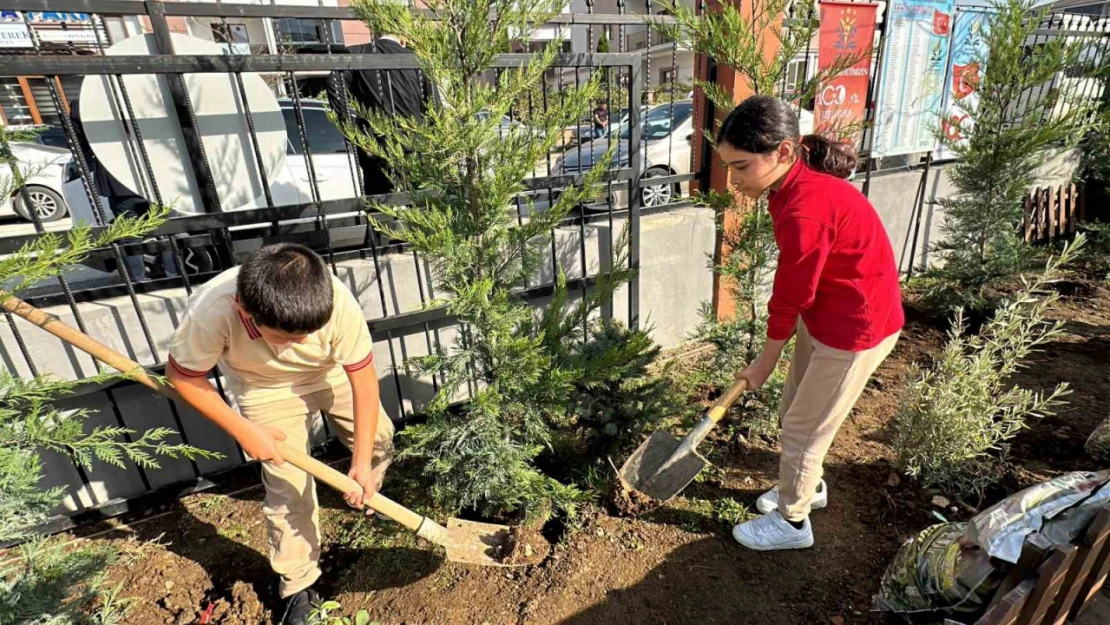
(524, 546)
(677, 564)
(629, 502)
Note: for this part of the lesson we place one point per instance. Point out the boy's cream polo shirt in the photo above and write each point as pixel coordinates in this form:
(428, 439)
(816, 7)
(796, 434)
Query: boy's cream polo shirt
(257, 372)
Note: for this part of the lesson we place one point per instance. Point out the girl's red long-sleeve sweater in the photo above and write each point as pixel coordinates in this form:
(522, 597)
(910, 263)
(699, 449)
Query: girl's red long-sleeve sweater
(836, 266)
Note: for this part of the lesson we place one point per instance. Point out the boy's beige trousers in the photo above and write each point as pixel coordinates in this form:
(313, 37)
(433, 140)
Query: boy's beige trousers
(291, 509)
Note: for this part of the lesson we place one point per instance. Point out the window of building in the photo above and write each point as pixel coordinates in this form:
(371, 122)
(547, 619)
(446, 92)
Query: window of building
(297, 30)
(14, 107)
(230, 33)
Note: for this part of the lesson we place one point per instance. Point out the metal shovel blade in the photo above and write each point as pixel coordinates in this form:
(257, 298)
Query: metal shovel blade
(642, 470)
(471, 542)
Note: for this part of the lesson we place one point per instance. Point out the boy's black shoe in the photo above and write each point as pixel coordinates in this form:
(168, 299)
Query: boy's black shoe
(299, 608)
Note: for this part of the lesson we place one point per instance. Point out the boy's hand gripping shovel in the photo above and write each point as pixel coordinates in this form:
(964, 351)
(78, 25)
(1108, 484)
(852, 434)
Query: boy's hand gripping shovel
(465, 541)
(662, 466)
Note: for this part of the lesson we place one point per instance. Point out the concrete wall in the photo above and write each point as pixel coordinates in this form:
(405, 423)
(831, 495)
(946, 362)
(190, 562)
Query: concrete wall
(894, 195)
(674, 280)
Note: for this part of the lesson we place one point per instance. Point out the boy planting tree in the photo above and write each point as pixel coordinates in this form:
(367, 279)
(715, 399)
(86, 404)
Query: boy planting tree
(290, 340)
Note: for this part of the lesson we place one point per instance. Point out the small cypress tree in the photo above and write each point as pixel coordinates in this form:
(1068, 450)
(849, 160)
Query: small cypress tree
(43, 582)
(737, 38)
(603, 43)
(464, 173)
(1029, 111)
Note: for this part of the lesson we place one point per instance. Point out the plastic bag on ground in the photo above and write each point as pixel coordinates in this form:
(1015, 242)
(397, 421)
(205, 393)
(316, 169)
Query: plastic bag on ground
(1001, 529)
(950, 566)
(936, 570)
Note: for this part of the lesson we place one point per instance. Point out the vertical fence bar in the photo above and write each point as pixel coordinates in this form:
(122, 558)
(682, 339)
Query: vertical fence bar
(550, 195)
(670, 137)
(423, 303)
(920, 209)
(868, 134)
(385, 313)
(635, 159)
(582, 214)
(609, 186)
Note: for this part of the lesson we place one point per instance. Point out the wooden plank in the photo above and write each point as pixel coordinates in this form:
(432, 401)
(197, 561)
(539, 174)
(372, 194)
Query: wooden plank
(1007, 609)
(1032, 555)
(1093, 543)
(1061, 210)
(1083, 203)
(1050, 214)
(1065, 203)
(1095, 580)
(1040, 213)
(1028, 225)
(1050, 578)
(1073, 208)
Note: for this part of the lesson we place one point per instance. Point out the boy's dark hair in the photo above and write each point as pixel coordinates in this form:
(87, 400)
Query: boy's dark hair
(760, 123)
(286, 287)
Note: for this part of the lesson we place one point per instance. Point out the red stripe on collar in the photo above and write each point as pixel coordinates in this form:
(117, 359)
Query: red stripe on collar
(248, 323)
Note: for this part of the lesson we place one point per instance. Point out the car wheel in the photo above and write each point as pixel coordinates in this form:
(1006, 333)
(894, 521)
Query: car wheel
(652, 196)
(49, 205)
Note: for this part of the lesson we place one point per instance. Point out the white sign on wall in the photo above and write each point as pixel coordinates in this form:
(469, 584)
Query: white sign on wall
(14, 33)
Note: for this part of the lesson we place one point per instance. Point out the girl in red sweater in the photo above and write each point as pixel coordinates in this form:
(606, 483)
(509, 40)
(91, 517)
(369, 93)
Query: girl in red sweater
(836, 291)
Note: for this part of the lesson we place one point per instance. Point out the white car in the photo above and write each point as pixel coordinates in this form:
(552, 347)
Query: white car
(335, 169)
(45, 167)
(666, 131)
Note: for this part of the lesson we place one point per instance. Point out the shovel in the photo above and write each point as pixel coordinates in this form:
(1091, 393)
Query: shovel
(467, 542)
(663, 465)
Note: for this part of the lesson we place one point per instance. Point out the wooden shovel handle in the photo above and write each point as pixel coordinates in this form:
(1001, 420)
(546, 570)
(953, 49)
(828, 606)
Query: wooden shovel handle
(137, 372)
(344, 484)
(724, 402)
(87, 344)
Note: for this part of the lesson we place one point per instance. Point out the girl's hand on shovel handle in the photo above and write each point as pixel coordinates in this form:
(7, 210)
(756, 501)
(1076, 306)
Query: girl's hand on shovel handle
(755, 373)
(258, 442)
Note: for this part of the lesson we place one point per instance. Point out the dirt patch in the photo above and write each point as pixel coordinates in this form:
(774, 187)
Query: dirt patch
(629, 502)
(523, 546)
(677, 564)
(166, 588)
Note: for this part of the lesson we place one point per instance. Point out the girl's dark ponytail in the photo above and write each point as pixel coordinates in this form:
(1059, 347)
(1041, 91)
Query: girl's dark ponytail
(835, 158)
(761, 123)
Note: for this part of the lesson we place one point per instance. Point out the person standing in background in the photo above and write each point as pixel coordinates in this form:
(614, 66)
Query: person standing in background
(403, 92)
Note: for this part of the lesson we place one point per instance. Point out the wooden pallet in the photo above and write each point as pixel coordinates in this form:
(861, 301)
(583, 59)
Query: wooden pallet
(1052, 585)
(1052, 212)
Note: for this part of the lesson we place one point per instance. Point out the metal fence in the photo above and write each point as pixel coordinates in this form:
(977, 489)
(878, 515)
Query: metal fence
(197, 244)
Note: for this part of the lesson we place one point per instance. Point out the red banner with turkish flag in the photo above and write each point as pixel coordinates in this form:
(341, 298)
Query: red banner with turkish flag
(847, 31)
